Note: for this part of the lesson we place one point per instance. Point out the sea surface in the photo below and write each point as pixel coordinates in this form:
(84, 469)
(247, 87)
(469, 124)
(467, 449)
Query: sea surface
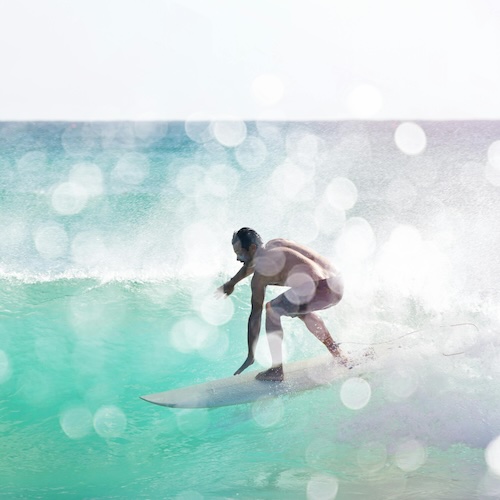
(113, 239)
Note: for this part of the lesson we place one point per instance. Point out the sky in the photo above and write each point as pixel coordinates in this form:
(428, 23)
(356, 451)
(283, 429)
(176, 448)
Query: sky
(249, 59)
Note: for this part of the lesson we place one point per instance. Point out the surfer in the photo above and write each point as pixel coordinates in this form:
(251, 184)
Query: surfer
(314, 285)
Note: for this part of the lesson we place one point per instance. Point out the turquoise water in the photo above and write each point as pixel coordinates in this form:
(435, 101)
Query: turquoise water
(113, 240)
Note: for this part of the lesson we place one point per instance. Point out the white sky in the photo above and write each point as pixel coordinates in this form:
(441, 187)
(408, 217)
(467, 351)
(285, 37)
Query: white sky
(251, 59)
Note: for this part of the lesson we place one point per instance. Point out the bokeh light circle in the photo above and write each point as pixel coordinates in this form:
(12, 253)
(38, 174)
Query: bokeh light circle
(357, 240)
(341, 193)
(401, 383)
(263, 350)
(76, 422)
(271, 263)
(198, 128)
(494, 155)
(492, 168)
(89, 176)
(492, 174)
(150, 132)
(290, 182)
(216, 312)
(230, 132)
(410, 455)
(492, 456)
(69, 198)
(270, 132)
(110, 421)
(322, 487)
(410, 138)
(355, 393)
(302, 287)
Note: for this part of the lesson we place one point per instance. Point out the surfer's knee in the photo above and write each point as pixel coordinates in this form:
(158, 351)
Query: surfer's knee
(307, 317)
(272, 311)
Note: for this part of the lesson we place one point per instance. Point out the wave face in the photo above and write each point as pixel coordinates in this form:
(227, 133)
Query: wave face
(113, 237)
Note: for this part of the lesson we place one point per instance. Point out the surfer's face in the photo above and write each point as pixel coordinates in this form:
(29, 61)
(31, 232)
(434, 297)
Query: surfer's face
(242, 255)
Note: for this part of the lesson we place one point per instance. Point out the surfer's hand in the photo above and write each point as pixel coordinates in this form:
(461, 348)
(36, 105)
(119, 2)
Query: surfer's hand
(249, 361)
(226, 289)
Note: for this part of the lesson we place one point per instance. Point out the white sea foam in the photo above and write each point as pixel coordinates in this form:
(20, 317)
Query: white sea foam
(420, 395)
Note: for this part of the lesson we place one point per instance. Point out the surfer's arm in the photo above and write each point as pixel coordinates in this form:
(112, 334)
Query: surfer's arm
(228, 287)
(254, 321)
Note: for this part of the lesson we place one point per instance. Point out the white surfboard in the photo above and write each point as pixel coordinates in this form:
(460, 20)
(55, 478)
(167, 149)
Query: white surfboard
(244, 388)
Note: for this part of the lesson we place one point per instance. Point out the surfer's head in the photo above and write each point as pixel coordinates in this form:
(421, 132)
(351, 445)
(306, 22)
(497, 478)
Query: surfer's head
(246, 242)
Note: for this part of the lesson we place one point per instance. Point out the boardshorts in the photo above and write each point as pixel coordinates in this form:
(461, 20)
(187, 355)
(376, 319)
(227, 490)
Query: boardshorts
(323, 298)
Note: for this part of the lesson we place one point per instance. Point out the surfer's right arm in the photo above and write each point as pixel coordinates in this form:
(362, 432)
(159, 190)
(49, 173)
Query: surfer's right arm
(228, 288)
(254, 321)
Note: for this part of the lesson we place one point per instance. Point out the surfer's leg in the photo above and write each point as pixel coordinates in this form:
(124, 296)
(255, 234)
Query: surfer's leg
(318, 328)
(274, 333)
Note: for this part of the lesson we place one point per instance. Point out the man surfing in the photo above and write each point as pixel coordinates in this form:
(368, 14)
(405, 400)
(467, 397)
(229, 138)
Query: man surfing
(314, 285)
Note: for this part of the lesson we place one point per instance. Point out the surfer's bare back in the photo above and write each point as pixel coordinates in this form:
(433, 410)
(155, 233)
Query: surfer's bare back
(314, 285)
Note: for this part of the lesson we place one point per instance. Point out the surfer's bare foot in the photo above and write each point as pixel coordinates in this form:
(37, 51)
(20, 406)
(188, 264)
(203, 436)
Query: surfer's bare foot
(274, 374)
(333, 347)
(341, 359)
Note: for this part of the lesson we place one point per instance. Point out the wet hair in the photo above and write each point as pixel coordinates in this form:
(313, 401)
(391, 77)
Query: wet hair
(247, 237)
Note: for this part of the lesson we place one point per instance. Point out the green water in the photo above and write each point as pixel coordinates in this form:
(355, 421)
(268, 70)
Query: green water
(80, 354)
(113, 238)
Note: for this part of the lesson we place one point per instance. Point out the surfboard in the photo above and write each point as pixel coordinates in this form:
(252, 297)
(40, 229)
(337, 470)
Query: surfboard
(244, 388)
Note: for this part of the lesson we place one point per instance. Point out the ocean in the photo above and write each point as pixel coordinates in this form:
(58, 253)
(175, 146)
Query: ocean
(113, 240)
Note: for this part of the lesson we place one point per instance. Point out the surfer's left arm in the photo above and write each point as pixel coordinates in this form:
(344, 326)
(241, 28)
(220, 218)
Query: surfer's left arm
(254, 321)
